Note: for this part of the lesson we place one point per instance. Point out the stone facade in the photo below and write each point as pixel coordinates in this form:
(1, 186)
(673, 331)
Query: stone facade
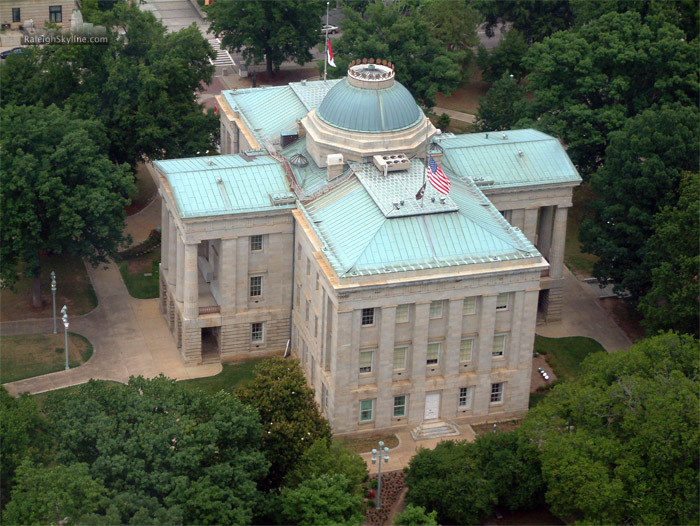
(17, 13)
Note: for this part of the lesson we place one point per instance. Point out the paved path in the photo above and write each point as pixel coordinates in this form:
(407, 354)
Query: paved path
(456, 115)
(583, 315)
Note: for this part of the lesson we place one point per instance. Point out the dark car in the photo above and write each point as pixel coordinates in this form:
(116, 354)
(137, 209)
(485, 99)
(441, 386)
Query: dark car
(13, 51)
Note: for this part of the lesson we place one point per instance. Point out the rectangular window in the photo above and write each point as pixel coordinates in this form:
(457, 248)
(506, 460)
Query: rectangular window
(299, 251)
(256, 243)
(313, 369)
(400, 358)
(433, 356)
(368, 316)
(400, 406)
(436, 309)
(56, 14)
(255, 286)
(502, 301)
(315, 326)
(496, 393)
(469, 306)
(366, 359)
(465, 397)
(308, 267)
(256, 332)
(465, 349)
(306, 353)
(317, 283)
(298, 294)
(308, 306)
(402, 315)
(15, 15)
(366, 409)
(324, 395)
(499, 345)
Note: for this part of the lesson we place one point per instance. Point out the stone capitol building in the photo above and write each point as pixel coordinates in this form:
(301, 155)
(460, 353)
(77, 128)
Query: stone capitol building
(305, 237)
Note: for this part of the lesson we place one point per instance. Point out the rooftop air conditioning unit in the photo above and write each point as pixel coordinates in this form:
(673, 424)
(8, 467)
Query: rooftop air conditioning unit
(391, 162)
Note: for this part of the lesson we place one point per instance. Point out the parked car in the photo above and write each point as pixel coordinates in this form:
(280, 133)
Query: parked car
(328, 29)
(13, 51)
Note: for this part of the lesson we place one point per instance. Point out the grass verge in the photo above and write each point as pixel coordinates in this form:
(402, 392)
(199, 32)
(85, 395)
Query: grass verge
(73, 289)
(565, 355)
(366, 444)
(29, 355)
(141, 275)
(232, 376)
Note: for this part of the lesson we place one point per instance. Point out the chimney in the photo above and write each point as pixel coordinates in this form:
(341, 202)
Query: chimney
(301, 131)
(335, 165)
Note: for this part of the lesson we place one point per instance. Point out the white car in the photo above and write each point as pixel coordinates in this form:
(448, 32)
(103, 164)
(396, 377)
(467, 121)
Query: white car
(329, 30)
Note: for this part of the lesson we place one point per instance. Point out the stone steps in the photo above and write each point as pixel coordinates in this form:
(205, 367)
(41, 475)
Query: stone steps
(439, 429)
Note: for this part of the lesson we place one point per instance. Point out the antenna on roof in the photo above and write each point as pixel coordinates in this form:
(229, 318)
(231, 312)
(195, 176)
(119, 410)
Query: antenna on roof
(520, 153)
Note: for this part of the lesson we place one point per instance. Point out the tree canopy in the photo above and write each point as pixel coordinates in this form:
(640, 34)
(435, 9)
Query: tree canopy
(587, 82)
(619, 444)
(60, 192)
(322, 499)
(401, 36)
(641, 175)
(290, 419)
(162, 451)
(673, 254)
(535, 19)
(141, 86)
(269, 32)
(503, 105)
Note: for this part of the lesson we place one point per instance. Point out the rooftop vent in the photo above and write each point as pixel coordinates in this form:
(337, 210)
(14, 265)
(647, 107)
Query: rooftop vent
(298, 160)
(504, 136)
(391, 162)
(288, 137)
(520, 153)
(282, 199)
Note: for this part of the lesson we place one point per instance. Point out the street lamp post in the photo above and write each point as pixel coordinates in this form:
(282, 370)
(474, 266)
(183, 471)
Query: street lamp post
(64, 311)
(53, 292)
(383, 455)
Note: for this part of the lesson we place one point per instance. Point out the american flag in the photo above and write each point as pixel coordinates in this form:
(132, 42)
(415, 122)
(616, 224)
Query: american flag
(437, 177)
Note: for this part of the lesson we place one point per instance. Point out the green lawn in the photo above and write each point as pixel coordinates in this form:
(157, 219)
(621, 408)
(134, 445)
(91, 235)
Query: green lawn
(565, 355)
(142, 280)
(32, 355)
(233, 375)
(73, 289)
(366, 444)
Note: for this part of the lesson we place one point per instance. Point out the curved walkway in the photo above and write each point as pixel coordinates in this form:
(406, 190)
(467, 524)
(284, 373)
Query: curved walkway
(130, 336)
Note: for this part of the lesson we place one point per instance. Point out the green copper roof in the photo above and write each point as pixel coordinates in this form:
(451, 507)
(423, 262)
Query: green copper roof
(225, 184)
(369, 110)
(269, 110)
(359, 239)
(508, 159)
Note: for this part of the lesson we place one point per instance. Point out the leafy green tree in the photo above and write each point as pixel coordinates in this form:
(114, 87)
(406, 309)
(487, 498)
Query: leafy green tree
(450, 480)
(416, 516)
(401, 36)
(169, 453)
(503, 106)
(268, 31)
(60, 192)
(23, 436)
(504, 59)
(587, 82)
(512, 464)
(290, 419)
(641, 175)
(619, 444)
(454, 23)
(142, 88)
(535, 19)
(322, 499)
(53, 495)
(330, 458)
(673, 253)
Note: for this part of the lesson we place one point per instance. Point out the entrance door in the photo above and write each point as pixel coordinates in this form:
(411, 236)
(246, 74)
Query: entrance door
(432, 406)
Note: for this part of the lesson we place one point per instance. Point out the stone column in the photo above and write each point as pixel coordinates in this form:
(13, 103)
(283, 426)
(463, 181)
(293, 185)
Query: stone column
(180, 278)
(487, 322)
(227, 276)
(514, 343)
(173, 235)
(242, 280)
(191, 285)
(517, 218)
(450, 362)
(385, 366)
(164, 235)
(530, 224)
(419, 350)
(544, 240)
(556, 259)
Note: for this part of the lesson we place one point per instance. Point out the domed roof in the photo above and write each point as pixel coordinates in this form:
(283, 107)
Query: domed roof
(354, 106)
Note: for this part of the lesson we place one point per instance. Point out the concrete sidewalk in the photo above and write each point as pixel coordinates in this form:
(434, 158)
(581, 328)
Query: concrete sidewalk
(456, 115)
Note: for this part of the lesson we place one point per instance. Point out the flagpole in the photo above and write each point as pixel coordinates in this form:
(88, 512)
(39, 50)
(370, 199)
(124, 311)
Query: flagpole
(325, 59)
(425, 165)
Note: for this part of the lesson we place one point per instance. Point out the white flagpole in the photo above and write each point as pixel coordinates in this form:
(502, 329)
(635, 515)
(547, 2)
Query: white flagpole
(325, 59)
(425, 166)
